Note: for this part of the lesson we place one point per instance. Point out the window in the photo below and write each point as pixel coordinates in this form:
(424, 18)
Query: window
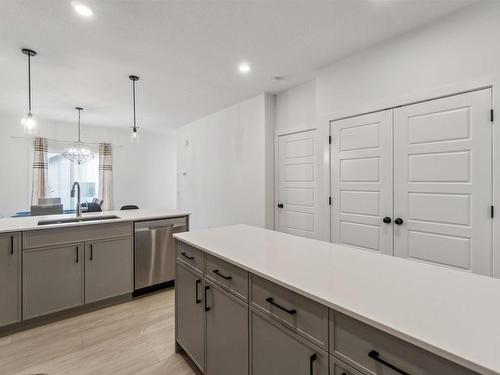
(62, 174)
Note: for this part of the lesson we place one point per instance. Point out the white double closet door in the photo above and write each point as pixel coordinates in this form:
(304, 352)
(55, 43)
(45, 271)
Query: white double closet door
(416, 181)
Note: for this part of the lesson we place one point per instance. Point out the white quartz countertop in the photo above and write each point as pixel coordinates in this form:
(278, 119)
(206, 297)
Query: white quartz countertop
(454, 314)
(14, 224)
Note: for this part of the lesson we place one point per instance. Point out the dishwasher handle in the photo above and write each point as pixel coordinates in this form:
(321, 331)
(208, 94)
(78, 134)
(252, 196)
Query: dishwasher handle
(169, 226)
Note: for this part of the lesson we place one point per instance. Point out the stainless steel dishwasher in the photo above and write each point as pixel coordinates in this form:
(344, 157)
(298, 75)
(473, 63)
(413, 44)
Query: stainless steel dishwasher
(155, 252)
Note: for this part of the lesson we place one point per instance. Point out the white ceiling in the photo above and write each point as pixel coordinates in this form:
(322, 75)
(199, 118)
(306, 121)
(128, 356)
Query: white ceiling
(186, 52)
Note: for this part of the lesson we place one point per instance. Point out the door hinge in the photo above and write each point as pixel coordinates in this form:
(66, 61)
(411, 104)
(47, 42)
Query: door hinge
(330, 201)
(329, 139)
(492, 115)
(492, 212)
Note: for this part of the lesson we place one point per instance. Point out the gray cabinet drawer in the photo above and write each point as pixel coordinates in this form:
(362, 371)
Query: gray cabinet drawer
(275, 350)
(73, 234)
(352, 341)
(227, 275)
(304, 316)
(190, 255)
(337, 367)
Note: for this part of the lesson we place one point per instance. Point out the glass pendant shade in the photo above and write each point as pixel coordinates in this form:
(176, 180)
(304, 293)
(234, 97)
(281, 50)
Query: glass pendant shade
(134, 136)
(78, 152)
(29, 122)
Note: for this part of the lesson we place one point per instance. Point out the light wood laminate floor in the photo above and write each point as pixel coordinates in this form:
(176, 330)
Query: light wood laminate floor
(136, 337)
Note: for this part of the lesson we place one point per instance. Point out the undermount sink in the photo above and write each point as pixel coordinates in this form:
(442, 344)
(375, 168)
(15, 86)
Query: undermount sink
(77, 219)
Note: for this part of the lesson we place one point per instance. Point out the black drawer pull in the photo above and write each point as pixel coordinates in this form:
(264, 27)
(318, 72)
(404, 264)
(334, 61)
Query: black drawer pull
(271, 301)
(221, 275)
(198, 300)
(376, 356)
(187, 256)
(206, 299)
(11, 245)
(312, 359)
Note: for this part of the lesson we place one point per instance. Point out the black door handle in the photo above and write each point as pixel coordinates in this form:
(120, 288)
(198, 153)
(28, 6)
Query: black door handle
(280, 205)
(91, 252)
(11, 245)
(187, 256)
(387, 220)
(206, 300)
(312, 359)
(221, 275)
(398, 221)
(77, 253)
(197, 298)
(271, 301)
(376, 356)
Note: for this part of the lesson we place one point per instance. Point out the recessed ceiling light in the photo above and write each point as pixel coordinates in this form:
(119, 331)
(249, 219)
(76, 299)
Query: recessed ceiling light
(244, 68)
(82, 9)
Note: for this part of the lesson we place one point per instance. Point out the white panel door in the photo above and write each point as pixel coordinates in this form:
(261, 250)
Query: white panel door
(297, 184)
(443, 182)
(362, 182)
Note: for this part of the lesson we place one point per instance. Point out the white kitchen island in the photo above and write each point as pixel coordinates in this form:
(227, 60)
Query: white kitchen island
(452, 314)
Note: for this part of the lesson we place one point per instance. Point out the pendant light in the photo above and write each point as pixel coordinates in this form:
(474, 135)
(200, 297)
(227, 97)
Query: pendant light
(78, 152)
(134, 134)
(29, 120)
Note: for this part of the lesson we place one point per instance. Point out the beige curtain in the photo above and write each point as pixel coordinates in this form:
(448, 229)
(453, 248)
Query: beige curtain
(40, 170)
(106, 176)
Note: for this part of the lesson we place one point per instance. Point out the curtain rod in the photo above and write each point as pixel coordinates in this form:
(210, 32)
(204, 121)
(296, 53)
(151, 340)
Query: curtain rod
(60, 141)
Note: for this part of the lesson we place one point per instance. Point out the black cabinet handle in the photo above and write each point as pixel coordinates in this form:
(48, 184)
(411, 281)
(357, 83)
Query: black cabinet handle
(77, 253)
(11, 245)
(280, 205)
(187, 256)
(312, 359)
(91, 252)
(387, 220)
(206, 299)
(271, 301)
(376, 356)
(198, 300)
(398, 221)
(221, 275)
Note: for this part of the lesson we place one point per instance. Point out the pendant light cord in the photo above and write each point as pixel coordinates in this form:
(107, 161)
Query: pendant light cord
(79, 111)
(133, 94)
(29, 82)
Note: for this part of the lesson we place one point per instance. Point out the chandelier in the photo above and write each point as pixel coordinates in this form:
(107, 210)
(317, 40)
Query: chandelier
(78, 152)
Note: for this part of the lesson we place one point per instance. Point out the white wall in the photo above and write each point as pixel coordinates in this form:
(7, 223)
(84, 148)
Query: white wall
(296, 108)
(223, 166)
(443, 56)
(144, 174)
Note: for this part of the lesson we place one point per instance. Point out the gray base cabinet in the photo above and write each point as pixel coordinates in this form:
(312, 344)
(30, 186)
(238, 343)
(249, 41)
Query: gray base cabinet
(52, 279)
(226, 333)
(10, 279)
(276, 350)
(108, 269)
(68, 267)
(276, 331)
(190, 314)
